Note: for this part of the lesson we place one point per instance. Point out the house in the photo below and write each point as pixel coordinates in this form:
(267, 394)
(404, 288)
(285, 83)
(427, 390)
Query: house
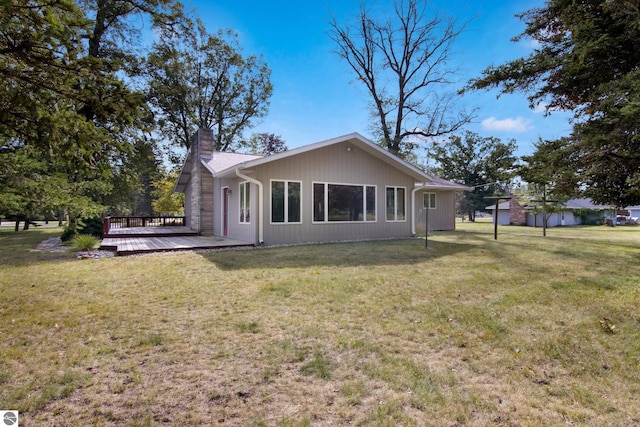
(504, 217)
(628, 215)
(634, 211)
(510, 212)
(573, 212)
(346, 188)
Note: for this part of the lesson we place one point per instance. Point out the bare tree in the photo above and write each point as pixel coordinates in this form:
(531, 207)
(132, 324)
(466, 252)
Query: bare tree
(266, 144)
(404, 64)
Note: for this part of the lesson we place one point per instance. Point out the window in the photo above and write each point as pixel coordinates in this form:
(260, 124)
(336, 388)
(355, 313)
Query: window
(395, 204)
(245, 203)
(429, 200)
(286, 202)
(344, 203)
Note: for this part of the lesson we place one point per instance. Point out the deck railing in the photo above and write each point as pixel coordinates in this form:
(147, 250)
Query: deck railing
(114, 222)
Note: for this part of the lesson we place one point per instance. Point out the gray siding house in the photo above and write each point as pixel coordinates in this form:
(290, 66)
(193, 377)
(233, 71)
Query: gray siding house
(346, 188)
(571, 213)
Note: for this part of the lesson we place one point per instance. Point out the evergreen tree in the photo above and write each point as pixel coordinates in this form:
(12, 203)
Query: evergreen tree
(587, 61)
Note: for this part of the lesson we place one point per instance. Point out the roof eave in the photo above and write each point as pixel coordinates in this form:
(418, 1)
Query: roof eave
(458, 187)
(185, 174)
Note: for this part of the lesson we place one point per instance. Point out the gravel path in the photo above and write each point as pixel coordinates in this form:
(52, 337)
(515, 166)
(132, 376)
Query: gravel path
(54, 244)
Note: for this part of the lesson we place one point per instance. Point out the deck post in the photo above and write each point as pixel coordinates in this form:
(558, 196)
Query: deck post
(106, 222)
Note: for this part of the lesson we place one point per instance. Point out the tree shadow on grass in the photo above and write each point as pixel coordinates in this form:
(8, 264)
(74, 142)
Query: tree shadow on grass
(348, 254)
(526, 249)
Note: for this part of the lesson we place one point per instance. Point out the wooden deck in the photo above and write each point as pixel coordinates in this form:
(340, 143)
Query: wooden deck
(169, 231)
(138, 240)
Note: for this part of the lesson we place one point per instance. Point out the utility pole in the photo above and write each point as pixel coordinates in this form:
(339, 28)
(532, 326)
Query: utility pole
(544, 202)
(495, 214)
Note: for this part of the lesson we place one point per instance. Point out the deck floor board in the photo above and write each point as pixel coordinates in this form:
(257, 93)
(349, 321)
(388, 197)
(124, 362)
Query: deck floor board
(129, 241)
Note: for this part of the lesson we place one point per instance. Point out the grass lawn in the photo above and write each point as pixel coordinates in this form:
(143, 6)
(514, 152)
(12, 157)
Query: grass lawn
(525, 331)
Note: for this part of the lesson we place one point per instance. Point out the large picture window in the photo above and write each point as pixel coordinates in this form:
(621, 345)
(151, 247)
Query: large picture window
(430, 200)
(396, 204)
(245, 203)
(286, 206)
(344, 203)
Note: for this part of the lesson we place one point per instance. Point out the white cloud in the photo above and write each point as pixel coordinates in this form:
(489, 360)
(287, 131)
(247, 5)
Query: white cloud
(530, 44)
(519, 124)
(541, 107)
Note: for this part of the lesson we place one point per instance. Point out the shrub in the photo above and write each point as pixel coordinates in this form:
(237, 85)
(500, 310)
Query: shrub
(70, 231)
(84, 242)
(92, 226)
(88, 226)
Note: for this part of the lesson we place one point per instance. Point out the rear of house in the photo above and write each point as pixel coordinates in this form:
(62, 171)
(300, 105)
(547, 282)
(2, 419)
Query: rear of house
(342, 189)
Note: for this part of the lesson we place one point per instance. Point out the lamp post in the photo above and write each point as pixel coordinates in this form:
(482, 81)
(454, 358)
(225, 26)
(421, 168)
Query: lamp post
(426, 225)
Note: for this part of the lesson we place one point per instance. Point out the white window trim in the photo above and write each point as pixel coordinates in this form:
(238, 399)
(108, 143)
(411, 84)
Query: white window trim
(326, 203)
(286, 201)
(240, 201)
(435, 197)
(395, 201)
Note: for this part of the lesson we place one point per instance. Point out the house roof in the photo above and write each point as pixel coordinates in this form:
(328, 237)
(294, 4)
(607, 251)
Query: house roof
(357, 140)
(583, 204)
(501, 206)
(220, 161)
(185, 174)
(224, 164)
(443, 184)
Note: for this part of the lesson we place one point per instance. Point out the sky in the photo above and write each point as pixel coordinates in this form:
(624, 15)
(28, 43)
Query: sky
(315, 96)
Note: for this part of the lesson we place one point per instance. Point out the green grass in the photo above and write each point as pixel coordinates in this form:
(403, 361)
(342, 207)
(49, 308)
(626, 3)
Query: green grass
(18, 248)
(470, 331)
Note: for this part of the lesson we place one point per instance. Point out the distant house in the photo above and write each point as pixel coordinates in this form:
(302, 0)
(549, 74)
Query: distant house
(634, 211)
(346, 188)
(629, 215)
(510, 212)
(573, 212)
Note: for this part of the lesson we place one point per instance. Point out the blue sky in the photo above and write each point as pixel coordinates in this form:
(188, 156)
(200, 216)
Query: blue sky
(315, 96)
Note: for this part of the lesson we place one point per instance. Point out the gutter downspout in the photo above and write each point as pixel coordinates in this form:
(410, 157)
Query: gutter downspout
(260, 204)
(413, 209)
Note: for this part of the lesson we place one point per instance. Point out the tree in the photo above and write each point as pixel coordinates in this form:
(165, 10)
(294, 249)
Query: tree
(111, 33)
(404, 64)
(63, 98)
(34, 187)
(41, 65)
(477, 162)
(587, 61)
(547, 167)
(133, 177)
(165, 200)
(266, 144)
(199, 80)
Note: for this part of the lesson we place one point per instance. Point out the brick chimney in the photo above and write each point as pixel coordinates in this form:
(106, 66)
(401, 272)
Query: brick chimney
(201, 195)
(202, 143)
(517, 215)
